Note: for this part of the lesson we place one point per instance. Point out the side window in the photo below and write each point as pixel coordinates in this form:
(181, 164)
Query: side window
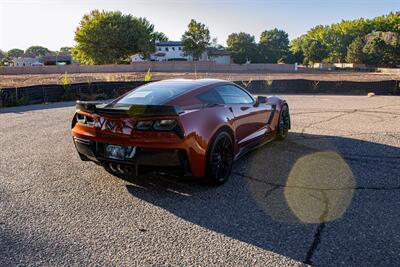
(210, 97)
(233, 95)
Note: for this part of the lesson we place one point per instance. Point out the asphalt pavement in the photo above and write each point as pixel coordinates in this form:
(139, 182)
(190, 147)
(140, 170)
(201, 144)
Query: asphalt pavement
(329, 195)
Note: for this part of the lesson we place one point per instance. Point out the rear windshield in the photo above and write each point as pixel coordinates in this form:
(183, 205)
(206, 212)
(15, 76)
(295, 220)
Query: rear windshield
(154, 93)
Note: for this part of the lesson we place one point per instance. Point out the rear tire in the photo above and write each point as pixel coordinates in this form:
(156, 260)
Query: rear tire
(283, 123)
(220, 158)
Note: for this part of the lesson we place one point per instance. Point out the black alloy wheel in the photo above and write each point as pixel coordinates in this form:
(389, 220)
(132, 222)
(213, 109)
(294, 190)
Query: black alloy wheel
(220, 158)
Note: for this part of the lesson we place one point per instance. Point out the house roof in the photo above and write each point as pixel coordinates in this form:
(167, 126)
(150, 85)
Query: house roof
(169, 43)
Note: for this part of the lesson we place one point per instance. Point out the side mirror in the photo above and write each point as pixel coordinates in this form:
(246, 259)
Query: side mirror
(260, 100)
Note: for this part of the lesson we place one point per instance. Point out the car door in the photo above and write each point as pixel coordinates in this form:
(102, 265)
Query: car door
(249, 119)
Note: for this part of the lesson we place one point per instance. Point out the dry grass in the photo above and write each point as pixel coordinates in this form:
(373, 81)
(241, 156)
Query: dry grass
(35, 79)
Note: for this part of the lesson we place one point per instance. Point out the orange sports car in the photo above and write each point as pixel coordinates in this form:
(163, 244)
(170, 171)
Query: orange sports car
(198, 127)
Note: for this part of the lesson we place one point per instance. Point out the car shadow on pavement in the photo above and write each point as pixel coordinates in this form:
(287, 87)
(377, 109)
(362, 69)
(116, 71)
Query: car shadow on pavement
(316, 199)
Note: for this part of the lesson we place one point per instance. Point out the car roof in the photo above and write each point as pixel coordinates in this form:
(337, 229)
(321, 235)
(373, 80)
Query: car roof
(195, 82)
(183, 86)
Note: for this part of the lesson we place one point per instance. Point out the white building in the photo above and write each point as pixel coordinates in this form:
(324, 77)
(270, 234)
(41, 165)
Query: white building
(137, 58)
(169, 51)
(26, 61)
(219, 56)
(173, 51)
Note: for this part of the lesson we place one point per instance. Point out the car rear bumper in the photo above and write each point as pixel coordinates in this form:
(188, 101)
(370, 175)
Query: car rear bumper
(144, 160)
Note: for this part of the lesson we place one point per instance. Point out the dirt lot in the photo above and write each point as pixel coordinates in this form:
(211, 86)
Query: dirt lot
(35, 79)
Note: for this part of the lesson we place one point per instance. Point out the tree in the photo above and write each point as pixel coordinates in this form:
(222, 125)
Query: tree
(65, 49)
(37, 51)
(355, 51)
(296, 49)
(159, 36)
(340, 42)
(243, 47)
(274, 45)
(15, 53)
(3, 58)
(2, 54)
(196, 39)
(314, 51)
(382, 48)
(105, 37)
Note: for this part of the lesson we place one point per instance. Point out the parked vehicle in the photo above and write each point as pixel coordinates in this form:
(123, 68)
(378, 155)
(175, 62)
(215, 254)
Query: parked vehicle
(200, 126)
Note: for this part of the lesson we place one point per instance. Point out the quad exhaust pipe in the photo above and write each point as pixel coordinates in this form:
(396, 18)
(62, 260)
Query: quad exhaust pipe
(122, 169)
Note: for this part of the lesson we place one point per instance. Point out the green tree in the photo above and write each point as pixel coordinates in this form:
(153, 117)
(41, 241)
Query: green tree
(296, 49)
(355, 51)
(243, 47)
(196, 39)
(65, 49)
(159, 36)
(274, 45)
(105, 37)
(153, 35)
(340, 42)
(37, 51)
(3, 58)
(314, 51)
(15, 53)
(382, 49)
(2, 54)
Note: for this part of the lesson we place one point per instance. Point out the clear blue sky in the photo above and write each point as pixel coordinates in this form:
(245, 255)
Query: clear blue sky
(52, 23)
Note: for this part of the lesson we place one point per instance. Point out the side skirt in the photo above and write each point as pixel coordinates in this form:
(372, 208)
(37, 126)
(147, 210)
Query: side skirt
(269, 138)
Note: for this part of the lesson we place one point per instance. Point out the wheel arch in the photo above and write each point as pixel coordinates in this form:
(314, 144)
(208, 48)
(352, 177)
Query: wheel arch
(219, 129)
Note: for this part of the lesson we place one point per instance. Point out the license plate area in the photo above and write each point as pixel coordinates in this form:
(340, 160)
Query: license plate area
(119, 152)
(114, 152)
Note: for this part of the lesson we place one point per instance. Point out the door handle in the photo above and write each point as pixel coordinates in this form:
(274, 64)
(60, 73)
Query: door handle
(244, 108)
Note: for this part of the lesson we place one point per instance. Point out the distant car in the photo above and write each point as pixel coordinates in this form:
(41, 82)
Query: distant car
(200, 126)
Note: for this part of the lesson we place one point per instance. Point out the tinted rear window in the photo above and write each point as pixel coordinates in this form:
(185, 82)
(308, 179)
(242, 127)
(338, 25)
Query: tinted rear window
(154, 93)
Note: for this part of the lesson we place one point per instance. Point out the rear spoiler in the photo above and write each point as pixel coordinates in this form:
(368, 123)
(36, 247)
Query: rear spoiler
(133, 110)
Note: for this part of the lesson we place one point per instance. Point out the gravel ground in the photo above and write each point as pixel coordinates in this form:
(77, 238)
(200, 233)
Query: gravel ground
(328, 195)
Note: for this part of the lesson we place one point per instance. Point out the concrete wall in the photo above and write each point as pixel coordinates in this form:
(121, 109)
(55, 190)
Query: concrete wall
(168, 66)
(389, 70)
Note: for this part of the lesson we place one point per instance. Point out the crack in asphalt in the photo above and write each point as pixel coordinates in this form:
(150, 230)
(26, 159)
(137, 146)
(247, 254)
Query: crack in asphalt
(318, 233)
(269, 191)
(326, 120)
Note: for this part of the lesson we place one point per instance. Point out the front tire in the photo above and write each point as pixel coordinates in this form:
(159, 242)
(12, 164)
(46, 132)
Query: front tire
(283, 123)
(220, 158)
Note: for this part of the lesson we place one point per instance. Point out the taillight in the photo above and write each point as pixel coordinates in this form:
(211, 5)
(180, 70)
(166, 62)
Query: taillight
(144, 125)
(164, 125)
(84, 120)
(157, 125)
